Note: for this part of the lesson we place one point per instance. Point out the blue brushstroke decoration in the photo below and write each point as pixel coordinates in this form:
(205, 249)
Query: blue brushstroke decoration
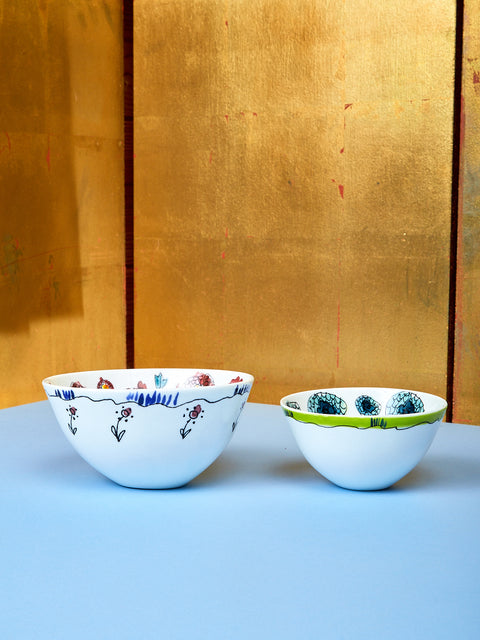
(241, 389)
(147, 399)
(66, 394)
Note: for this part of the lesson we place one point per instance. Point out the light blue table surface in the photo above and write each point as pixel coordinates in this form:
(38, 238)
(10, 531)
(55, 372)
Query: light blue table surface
(258, 546)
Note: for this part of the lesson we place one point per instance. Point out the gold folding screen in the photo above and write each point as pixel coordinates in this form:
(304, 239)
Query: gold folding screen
(292, 190)
(466, 382)
(61, 191)
(293, 180)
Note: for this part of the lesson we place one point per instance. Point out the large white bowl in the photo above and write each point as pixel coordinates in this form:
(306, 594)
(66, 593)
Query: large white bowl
(363, 437)
(149, 428)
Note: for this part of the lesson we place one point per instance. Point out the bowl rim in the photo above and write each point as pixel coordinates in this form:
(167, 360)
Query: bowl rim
(395, 421)
(53, 380)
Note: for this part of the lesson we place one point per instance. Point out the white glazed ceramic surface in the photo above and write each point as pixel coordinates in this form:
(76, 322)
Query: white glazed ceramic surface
(363, 438)
(149, 428)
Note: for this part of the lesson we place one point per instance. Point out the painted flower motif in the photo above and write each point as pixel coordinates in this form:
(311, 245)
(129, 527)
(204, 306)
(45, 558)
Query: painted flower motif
(293, 404)
(125, 414)
(325, 402)
(237, 379)
(404, 402)
(141, 385)
(367, 406)
(160, 381)
(201, 380)
(72, 413)
(195, 412)
(77, 384)
(104, 384)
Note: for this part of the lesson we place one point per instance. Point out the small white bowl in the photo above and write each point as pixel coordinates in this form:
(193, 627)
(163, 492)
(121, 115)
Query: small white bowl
(149, 428)
(363, 438)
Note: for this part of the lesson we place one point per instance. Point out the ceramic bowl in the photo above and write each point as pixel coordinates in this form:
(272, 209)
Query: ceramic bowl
(149, 428)
(363, 437)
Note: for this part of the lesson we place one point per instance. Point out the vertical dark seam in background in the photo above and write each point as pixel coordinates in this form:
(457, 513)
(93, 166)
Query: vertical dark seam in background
(129, 192)
(454, 230)
(128, 184)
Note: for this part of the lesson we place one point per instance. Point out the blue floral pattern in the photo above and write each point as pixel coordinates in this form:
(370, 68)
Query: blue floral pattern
(325, 402)
(404, 402)
(367, 406)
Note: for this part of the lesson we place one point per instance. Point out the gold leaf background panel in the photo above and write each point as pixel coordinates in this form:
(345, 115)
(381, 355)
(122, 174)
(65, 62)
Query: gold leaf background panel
(466, 397)
(292, 190)
(61, 192)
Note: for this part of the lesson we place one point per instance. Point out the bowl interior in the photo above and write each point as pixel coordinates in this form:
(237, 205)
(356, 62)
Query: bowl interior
(369, 402)
(150, 379)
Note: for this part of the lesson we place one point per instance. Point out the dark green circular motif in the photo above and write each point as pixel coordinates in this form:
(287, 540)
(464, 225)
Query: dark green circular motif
(404, 402)
(328, 403)
(367, 406)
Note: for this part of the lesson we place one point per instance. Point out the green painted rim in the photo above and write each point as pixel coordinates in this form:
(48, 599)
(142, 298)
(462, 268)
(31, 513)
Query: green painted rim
(365, 422)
